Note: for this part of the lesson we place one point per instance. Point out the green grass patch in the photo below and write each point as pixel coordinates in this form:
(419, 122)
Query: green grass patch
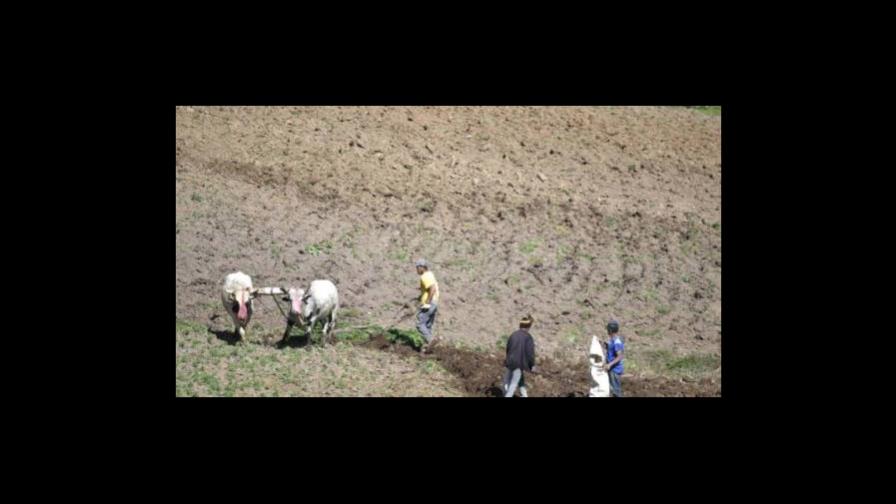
(501, 343)
(356, 335)
(572, 335)
(196, 197)
(405, 337)
(183, 390)
(650, 360)
(428, 366)
(457, 344)
(709, 109)
(348, 239)
(463, 264)
(211, 383)
(350, 314)
(695, 363)
(394, 335)
(316, 249)
(188, 326)
(666, 363)
(536, 261)
(529, 246)
(400, 255)
(663, 310)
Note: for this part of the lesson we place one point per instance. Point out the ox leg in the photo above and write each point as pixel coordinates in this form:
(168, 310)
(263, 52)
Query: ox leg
(332, 320)
(310, 327)
(236, 325)
(328, 327)
(286, 333)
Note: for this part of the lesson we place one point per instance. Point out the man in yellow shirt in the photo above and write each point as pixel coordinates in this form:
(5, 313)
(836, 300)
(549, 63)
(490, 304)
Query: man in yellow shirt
(429, 303)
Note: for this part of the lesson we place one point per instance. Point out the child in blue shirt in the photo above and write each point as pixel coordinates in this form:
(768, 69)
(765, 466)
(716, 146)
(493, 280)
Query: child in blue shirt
(615, 354)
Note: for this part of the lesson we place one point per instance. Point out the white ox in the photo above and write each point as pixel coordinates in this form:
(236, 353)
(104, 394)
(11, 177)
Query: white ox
(319, 302)
(237, 298)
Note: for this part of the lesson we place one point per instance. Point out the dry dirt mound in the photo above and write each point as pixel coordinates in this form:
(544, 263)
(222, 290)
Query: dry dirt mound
(480, 374)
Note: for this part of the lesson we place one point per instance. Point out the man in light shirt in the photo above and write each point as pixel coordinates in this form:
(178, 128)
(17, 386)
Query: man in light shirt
(429, 303)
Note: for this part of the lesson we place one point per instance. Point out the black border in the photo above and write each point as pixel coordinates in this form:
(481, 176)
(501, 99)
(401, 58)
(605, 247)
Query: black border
(387, 413)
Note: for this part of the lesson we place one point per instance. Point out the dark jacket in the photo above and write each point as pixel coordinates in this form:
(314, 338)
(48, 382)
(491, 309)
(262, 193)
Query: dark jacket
(520, 351)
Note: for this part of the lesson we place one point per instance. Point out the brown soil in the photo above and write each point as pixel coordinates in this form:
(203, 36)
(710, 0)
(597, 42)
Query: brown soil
(480, 374)
(572, 214)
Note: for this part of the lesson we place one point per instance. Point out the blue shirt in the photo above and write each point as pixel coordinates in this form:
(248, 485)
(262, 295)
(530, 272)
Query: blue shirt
(614, 346)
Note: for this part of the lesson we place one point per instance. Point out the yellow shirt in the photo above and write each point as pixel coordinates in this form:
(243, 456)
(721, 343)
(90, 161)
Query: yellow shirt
(426, 280)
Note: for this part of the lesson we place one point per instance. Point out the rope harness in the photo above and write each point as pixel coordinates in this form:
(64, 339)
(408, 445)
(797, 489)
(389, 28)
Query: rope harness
(285, 316)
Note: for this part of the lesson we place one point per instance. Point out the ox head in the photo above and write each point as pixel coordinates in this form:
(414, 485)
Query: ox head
(240, 301)
(297, 300)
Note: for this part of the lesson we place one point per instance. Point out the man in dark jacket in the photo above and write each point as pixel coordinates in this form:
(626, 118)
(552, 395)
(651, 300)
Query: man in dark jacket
(520, 357)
